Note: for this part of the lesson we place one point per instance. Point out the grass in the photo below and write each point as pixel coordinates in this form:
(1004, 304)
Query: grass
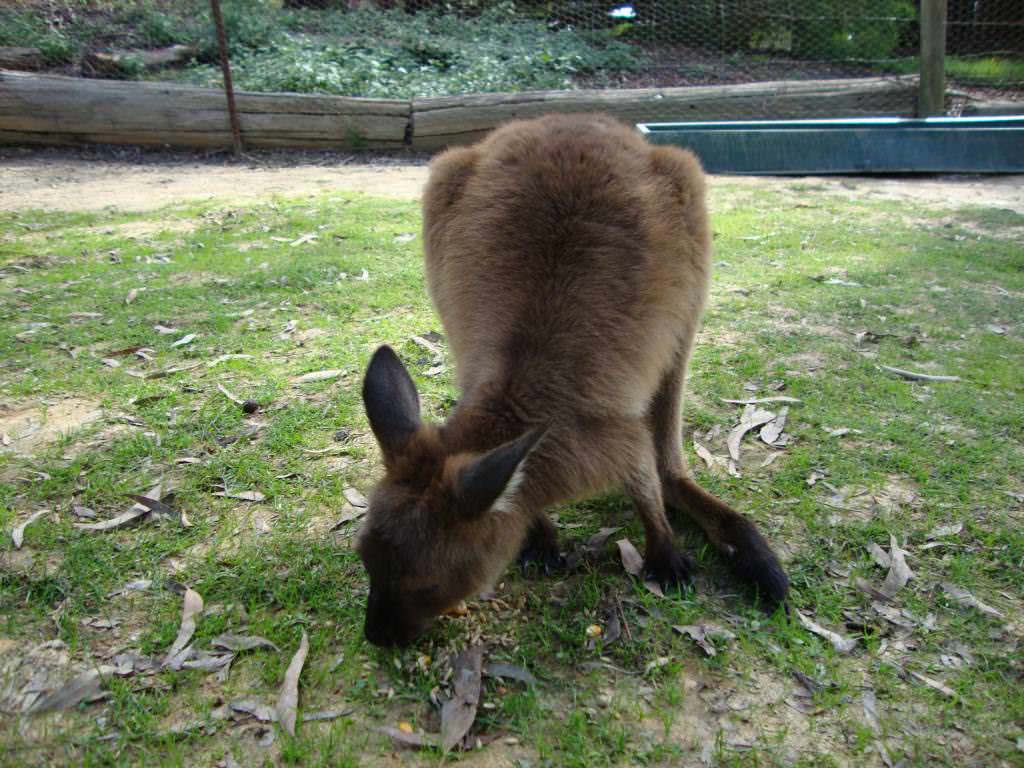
(237, 276)
(988, 71)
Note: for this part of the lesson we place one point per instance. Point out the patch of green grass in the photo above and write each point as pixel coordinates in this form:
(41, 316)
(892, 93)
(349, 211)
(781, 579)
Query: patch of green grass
(991, 71)
(314, 284)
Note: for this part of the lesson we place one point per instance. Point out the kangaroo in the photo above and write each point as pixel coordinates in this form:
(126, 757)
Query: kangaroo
(569, 262)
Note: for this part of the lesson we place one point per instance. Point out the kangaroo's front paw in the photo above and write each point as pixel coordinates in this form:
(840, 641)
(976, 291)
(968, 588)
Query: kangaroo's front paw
(541, 549)
(669, 567)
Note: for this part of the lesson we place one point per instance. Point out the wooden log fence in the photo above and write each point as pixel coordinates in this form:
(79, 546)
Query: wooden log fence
(450, 120)
(51, 109)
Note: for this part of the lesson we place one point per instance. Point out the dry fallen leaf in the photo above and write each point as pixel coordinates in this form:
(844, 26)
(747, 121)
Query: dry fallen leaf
(459, 712)
(327, 375)
(758, 400)
(186, 339)
(355, 498)
(227, 393)
(915, 376)
(207, 662)
(932, 683)
(325, 714)
(657, 663)
(132, 294)
(241, 495)
(509, 672)
(945, 530)
(634, 565)
(840, 643)
(348, 514)
(191, 607)
(157, 507)
(242, 642)
(966, 599)
(135, 512)
(18, 534)
(899, 572)
(702, 634)
(879, 555)
(771, 431)
(705, 455)
(631, 560)
(751, 418)
(138, 585)
(405, 739)
(76, 690)
(262, 712)
(428, 345)
(224, 358)
(288, 699)
(596, 542)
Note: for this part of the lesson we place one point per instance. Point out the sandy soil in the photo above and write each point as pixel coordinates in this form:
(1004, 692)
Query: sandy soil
(130, 180)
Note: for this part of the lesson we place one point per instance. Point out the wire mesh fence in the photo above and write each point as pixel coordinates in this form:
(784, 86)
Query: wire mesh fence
(457, 68)
(870, 45)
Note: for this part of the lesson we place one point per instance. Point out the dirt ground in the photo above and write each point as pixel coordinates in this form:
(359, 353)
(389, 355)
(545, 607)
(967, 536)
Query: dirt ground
(130, 180)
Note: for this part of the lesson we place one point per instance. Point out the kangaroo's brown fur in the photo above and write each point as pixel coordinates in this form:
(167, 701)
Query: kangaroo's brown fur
(569, 261)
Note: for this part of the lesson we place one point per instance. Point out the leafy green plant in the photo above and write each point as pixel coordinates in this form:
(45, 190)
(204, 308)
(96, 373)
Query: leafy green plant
(832, 29)
(397, 55)
(21, 28)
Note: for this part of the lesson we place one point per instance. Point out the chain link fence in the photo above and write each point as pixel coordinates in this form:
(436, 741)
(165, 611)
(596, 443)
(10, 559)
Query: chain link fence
(869, 48)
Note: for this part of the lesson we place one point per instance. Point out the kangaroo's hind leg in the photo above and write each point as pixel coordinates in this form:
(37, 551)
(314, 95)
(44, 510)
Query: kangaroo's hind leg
(736, 538)
(663, 562)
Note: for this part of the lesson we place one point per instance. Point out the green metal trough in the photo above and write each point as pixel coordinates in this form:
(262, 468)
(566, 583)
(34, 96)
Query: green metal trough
(865, 145)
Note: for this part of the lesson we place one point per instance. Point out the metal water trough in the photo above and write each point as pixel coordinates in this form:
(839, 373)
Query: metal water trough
(865, 145)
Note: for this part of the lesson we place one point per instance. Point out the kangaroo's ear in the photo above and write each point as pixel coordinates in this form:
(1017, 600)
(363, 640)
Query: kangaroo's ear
(392, 404)
(482, 482)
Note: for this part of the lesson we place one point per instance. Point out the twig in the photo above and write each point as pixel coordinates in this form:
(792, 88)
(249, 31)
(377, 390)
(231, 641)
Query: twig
(622, 613)
(913, 376)
(224, 391)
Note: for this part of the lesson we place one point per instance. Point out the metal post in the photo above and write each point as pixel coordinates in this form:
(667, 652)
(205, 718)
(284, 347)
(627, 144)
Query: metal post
(931, 95)
(229, 88)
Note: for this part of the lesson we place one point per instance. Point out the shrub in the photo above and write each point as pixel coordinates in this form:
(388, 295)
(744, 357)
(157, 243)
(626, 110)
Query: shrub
(397, 55)
(22, 28)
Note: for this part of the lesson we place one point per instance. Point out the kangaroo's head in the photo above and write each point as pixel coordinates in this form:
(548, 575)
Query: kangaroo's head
(440, 526)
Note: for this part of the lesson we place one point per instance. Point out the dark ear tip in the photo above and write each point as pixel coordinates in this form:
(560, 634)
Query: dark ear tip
(383, 352)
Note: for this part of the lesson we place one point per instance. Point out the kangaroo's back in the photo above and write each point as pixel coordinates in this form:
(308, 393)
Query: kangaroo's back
(568, 259)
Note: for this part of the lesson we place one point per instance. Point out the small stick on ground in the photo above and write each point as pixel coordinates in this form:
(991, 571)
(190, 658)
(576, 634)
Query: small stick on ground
(622, 613)
(914, 376)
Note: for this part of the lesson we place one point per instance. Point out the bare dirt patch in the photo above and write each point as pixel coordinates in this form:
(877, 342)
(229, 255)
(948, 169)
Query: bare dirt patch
(131, 180)
(28, 428)
(73, 181)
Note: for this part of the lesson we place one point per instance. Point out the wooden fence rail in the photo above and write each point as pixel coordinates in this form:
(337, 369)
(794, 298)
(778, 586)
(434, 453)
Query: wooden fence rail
(50, 109)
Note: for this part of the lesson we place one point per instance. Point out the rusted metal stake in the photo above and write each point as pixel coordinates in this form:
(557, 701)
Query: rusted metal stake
(225, 65)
